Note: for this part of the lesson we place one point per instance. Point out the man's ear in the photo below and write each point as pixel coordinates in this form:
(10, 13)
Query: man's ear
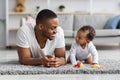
(40, 26)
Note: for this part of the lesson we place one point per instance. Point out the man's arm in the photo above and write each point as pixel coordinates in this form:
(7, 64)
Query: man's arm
(26, 59)
(60, 56)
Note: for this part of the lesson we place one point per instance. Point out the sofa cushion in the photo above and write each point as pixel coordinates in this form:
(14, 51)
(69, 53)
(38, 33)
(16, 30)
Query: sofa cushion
(105, 33)
(108, 32)
(68, 33)
(96, 20)
(66, 22)
(112, 23)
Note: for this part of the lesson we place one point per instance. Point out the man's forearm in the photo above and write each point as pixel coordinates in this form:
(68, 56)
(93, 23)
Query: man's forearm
(62, 60)
(31, 61)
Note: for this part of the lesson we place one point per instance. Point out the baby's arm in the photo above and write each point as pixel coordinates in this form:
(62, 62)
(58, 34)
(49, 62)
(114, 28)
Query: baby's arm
(73, 55)
(94, 54)
(73, 59)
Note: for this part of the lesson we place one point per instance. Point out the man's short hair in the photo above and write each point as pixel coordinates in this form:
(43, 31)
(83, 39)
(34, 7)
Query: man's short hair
(44, 15)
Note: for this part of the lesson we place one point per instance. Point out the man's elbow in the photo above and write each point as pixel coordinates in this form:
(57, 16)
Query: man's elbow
(23, 62)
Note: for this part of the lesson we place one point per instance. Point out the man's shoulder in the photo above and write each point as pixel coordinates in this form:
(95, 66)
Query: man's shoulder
(25, 31)
(26, 28)
(59, 29)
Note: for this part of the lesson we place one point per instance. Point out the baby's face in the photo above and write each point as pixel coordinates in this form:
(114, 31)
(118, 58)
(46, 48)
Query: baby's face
(81, 37)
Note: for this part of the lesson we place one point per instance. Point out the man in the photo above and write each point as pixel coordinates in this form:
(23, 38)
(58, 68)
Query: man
(42, 44)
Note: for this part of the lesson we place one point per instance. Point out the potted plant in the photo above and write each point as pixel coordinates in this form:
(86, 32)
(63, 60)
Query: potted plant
(61, 7)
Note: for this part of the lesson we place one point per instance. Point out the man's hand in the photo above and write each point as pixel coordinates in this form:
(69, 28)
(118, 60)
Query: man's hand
(45, 61)
(51, 61)
(56, 62)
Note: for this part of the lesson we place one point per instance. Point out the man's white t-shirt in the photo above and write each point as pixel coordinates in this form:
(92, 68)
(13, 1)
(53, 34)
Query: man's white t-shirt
(78, 53)
(26, 39)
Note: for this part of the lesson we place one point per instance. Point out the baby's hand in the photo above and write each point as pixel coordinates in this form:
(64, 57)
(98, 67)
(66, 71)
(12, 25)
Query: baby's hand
(96, 66)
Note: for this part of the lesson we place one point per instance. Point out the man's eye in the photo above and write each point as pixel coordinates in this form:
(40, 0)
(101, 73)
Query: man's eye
(52, 28)
(80, 38)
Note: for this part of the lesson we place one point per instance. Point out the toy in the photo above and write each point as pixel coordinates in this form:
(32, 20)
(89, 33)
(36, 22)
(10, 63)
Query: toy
(20, 6)
(79, 64)
(96, 66)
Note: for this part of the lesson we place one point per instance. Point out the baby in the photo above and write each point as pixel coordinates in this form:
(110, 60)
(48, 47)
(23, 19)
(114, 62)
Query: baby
(83, 49)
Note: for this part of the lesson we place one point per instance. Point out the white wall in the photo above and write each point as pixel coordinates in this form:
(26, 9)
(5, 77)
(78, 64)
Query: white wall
(2, 9)
(71, 5)
(2, 23)
(106, 5)
(84, 5)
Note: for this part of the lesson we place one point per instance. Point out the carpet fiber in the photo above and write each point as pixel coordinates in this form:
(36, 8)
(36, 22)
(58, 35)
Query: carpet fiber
(14, 68)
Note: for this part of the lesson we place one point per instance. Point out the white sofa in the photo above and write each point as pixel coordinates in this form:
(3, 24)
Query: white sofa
(72, 22)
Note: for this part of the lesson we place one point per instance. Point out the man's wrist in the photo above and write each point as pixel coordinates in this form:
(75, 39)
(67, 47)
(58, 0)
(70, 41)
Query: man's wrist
(63, 60)
(41, 61)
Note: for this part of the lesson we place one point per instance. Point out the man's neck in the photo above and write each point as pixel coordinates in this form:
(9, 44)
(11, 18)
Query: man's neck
(40, 38)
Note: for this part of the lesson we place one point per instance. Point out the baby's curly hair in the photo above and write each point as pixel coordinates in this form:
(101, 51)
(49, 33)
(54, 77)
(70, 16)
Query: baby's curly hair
(91, 31)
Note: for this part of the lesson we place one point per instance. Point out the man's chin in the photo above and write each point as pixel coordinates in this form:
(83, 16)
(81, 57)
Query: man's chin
(51, 38)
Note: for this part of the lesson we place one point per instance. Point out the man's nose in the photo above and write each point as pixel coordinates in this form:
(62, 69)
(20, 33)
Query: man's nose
(55, 31)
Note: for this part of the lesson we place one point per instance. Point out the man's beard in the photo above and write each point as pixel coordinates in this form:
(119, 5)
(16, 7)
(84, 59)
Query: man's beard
(51, 38)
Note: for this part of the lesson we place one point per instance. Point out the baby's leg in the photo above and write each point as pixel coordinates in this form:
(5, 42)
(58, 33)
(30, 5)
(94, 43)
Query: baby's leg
(89, 60)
